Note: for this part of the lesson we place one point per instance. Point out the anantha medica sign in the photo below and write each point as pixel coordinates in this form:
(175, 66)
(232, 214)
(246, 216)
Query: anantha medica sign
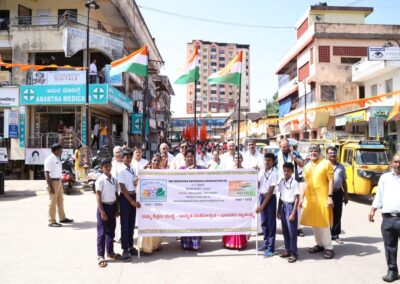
(197, 202)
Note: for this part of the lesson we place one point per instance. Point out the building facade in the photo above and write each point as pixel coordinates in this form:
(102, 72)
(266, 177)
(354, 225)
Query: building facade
(317, 70)
(221, 98)
(53, 33)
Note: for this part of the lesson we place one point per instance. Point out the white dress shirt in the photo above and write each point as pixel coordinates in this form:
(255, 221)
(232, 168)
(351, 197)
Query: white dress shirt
(52, 164)
(139, 165)
(93, 69)
(126, 176)
(227, 161)
(266, 179)
(288, 189)
(170, 158)
(388, 194)
(250, 161)
(108, 188)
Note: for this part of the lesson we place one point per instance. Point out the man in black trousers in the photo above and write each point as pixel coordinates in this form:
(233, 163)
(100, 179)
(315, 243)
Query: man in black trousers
(388, 199)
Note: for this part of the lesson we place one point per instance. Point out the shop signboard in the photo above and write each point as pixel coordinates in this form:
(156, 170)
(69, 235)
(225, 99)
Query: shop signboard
(119, 99)
(3, 155)
(137, 122)
(5, 77)
(22, 126)
(115, 80)
(9, 97)
(74, 40)
(13, 124)
(381, 53)
(84, 128)
(380, 111)
(357, 116)
(59, 77)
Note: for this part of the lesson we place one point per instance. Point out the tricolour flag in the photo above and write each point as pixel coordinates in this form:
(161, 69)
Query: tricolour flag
(135, 62)
(230, 74)
(190, 71)
(395, 112)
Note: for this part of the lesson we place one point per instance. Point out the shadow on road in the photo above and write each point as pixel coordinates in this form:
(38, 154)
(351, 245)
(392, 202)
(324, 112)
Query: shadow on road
(363, 240)
(81, 225)
(13, 195)
(363, 199)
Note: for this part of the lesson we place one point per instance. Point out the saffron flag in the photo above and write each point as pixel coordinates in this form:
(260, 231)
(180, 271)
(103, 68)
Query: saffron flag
(395, 112)
(190, 71)
(230, 74)
(136, 62)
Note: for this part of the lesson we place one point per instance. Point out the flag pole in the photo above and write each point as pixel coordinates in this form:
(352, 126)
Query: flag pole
(195, 121)
(144, 114)
(240, 92)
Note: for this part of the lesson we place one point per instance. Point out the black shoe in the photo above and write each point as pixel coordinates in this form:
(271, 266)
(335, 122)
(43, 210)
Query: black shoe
(133, 251)
(66, 220)
(55, 225)
(390, 276)
(300, 233)
(125, 255)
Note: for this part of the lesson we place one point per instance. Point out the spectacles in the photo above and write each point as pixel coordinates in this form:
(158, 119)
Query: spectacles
(183, 146)
(332, 153)
(397, 161)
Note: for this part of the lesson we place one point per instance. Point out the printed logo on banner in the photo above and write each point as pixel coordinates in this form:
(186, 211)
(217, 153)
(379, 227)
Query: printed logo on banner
(153, 191)
(98, 93)
(241, 188)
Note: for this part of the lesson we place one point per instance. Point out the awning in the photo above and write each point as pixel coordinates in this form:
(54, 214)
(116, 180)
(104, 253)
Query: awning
(284, 106)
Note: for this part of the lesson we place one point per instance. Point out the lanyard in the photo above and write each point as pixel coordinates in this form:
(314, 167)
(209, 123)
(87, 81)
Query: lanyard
(290, 185)
(267, 176)
(131, 171)
(110, 181)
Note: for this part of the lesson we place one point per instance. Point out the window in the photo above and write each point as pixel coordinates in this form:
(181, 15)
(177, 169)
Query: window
(213, 49)
(361, 92)
(213, 92)
(24, 15)
(389, 85)
(324, 53)
(374, 90)
(67, 14)
(222, 93)
(328, 93)
(221, 51)
(222, 65)
(349, 60)
(5, 19)
(213, 63)
(221, 58)
(348, 156)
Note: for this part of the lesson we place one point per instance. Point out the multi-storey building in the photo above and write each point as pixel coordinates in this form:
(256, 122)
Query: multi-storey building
(53, 33)
(214, 56)
(317, 70)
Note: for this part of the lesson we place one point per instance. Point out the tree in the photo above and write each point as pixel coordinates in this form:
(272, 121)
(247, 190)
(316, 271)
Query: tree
(272, 107)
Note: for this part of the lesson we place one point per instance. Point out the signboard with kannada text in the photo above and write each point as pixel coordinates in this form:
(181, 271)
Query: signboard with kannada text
(197, 202)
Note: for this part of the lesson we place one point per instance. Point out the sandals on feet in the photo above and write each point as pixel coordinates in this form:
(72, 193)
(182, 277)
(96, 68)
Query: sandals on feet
(292, 259)
(101, 262)
(316, 249)
(114, 256)
(328, 254)
(284, 254)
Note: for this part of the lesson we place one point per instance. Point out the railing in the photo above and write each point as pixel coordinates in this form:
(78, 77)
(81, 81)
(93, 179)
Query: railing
(45, 140)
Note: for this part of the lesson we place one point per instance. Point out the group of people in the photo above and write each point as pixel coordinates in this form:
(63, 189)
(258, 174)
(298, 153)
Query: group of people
(310, 194)
(99, 134)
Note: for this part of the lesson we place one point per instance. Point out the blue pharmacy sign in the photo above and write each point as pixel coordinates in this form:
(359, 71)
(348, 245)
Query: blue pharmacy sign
(137, 124)
(12, 131)
(22, 122)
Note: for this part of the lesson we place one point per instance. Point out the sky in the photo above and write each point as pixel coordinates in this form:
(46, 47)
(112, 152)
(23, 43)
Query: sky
(267, 45)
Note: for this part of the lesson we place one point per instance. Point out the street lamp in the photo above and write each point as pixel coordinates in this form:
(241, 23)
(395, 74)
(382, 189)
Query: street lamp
(266, 105)
(90, 4)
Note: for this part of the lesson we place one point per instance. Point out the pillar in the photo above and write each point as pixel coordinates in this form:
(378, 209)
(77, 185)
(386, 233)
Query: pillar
(125, 126)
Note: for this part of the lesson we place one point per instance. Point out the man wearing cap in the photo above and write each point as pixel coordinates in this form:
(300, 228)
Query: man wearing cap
(316, 200)
(52, 172)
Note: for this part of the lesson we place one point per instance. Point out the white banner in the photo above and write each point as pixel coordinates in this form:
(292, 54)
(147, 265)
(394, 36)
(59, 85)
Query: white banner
(383, 53)
(59, 78)
(197, 202)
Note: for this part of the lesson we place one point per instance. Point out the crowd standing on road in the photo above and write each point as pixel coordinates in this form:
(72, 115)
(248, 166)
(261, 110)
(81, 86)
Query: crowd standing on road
(310, 194)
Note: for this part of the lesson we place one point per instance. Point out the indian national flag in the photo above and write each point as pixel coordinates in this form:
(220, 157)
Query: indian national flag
(230, 74)
(135, 62)
(190, 71)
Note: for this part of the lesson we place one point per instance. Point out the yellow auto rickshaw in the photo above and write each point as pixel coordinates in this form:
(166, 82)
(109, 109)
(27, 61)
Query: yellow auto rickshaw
(365, 162)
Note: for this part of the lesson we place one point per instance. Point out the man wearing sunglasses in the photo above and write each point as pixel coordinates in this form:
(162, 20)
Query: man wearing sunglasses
(179, 160)
(164, 148)
(388, 200)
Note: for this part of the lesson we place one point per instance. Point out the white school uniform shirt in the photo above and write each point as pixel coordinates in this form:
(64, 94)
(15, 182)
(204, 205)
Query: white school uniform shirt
(251, 161)
(177, 162)
(108, 188)
(266, 179)
(138, 165)
(388, 194)
(52, 164)
(93, 69)
(126, 176)
(288, 189)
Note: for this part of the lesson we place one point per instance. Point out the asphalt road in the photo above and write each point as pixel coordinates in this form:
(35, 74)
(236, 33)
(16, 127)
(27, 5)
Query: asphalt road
(31, 252)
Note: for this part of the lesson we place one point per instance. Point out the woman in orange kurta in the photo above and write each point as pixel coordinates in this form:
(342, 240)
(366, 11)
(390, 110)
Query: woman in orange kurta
(317, 201)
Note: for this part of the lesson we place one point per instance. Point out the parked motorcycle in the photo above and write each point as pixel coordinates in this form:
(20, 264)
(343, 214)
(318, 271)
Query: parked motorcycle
(68, 177)
(94, 173)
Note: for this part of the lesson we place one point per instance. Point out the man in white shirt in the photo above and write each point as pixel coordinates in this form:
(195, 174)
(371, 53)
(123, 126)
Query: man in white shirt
(252, 159)
(164, 148)
(138, 163)
(53, 172)
(227, 158)
(267, 180)
(388, 199)
(93, 72)
(127, 181)
(179, 160)
(203, 158)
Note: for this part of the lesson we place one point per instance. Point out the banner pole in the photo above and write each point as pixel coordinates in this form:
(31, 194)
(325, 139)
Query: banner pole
(238, 128)
(195, 122)
(256, 231)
